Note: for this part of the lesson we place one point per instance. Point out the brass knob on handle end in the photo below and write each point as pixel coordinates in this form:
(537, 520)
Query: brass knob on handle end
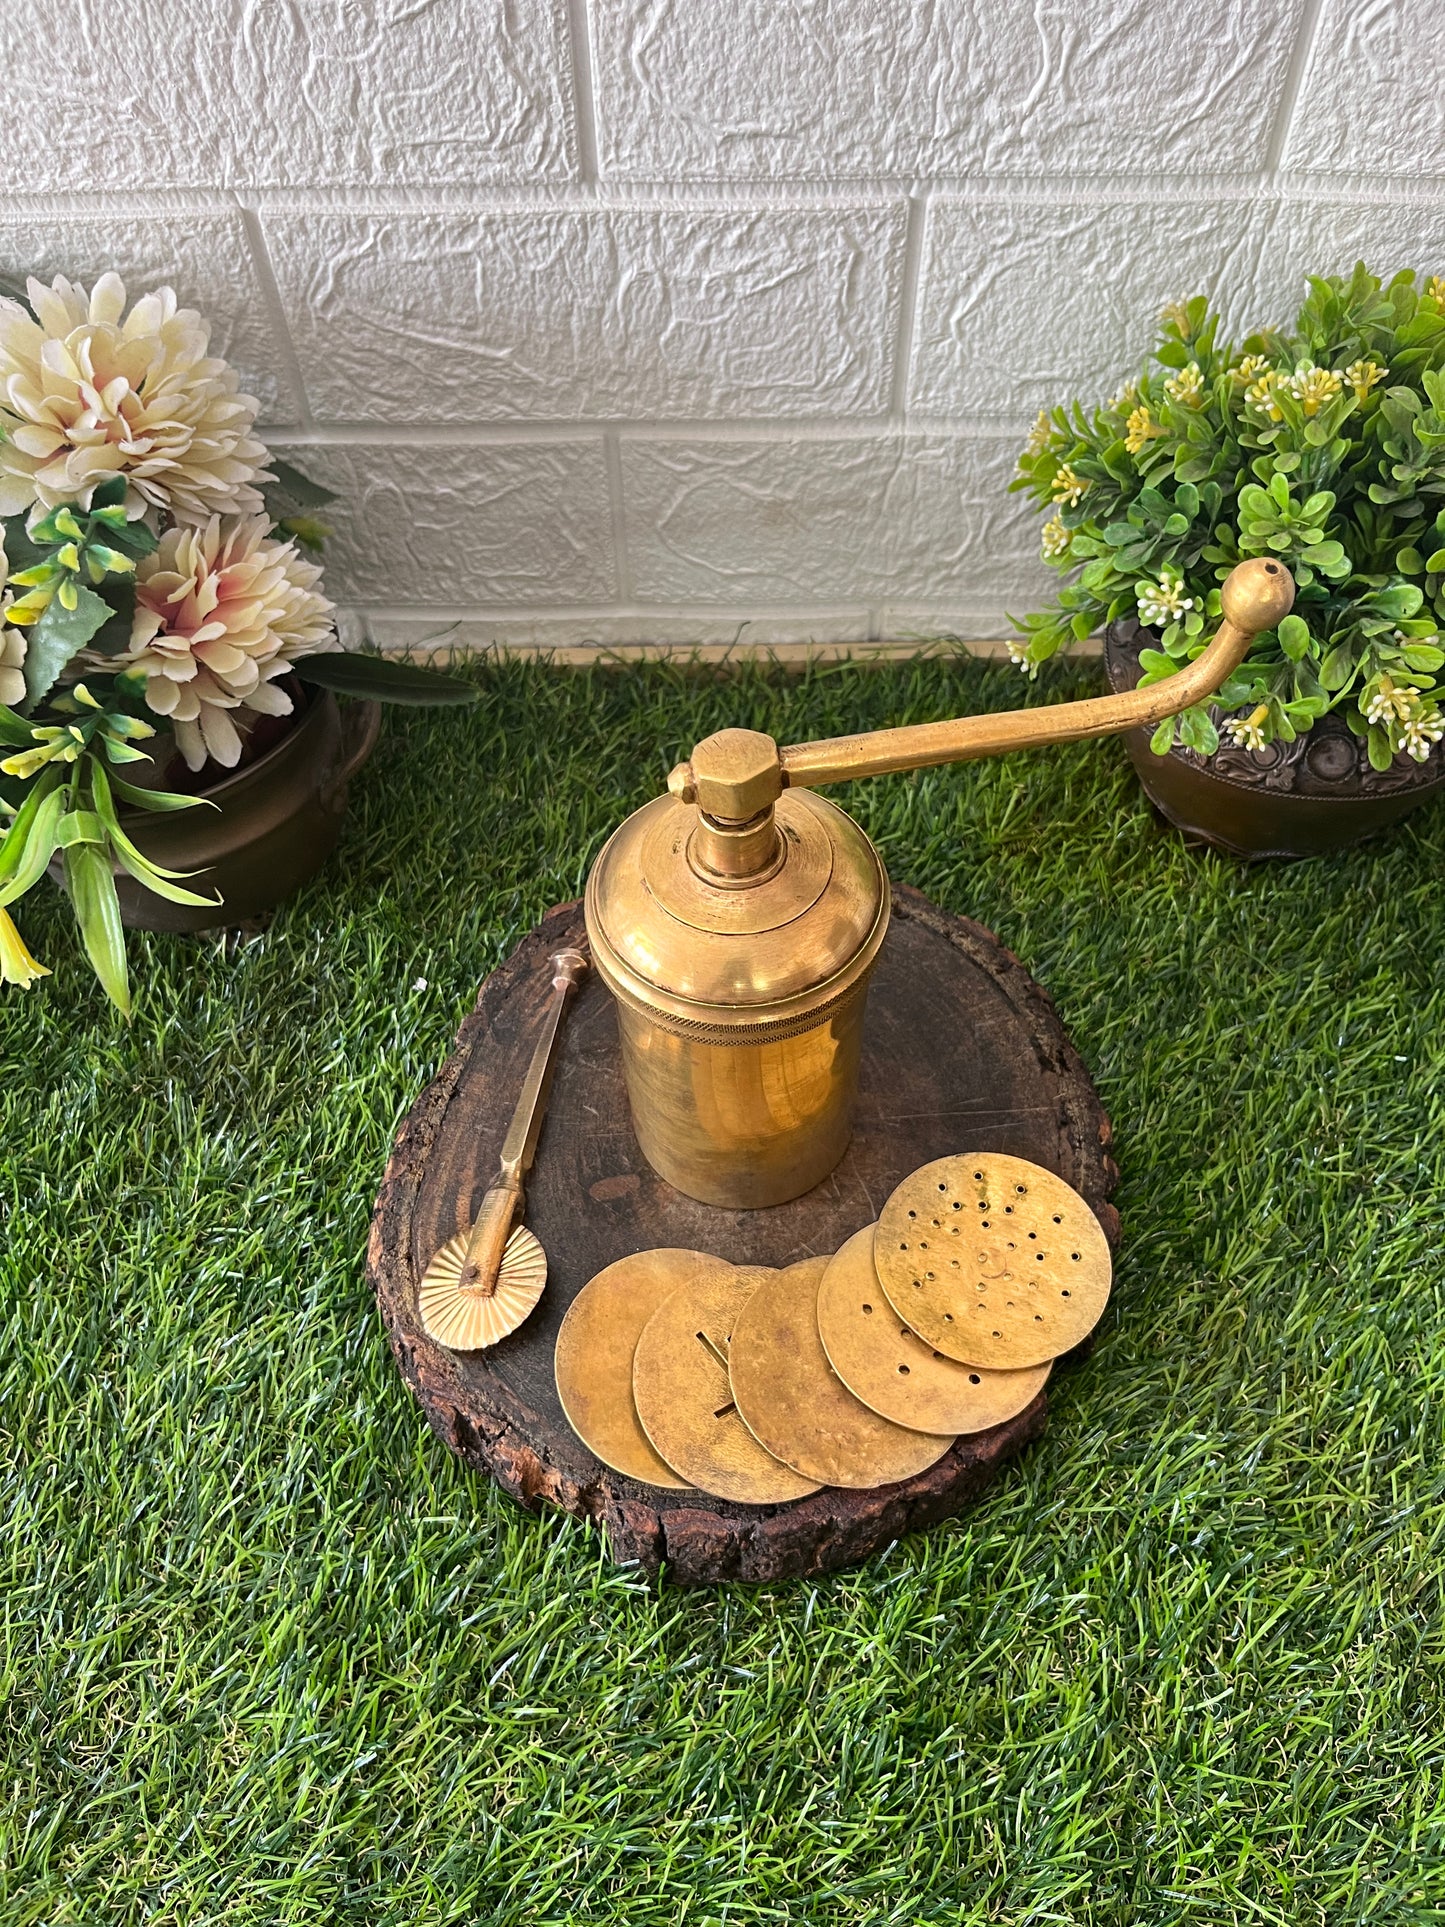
(1257, 594)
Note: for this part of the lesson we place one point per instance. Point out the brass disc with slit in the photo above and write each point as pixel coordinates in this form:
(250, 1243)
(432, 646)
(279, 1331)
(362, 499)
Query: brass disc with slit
(684, 1400)
(992, 1261)
(468, 1321)
(593, 1360)
(794, 1402)
(891, 1368)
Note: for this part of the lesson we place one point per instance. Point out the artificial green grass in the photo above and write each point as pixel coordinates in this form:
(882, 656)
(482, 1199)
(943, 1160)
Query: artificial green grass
(271, 1656)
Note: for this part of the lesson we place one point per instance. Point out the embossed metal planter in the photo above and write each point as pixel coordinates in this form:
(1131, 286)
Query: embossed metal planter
(1299, 799)
(275, 824)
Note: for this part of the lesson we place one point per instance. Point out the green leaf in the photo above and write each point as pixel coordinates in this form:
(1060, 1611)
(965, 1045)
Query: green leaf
(109, 494)
(55, 638)
(30, 841)
(79, 826)
(1401, 600)
(14, 730)
(293, 490)
(156, 880)
(97, 910)
(1294, 637)
(154, 876)
(1162, 741)
(114, 633)
(1436, 562)
(385, 679)
(143, 799)
(1378, 743)
(1338, 667)
(1409, 561)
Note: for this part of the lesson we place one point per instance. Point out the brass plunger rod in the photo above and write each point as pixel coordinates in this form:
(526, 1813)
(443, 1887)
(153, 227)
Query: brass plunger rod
(733, 777)
(502, 1204)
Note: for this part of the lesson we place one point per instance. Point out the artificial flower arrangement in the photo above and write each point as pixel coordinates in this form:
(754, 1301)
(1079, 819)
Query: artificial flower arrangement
(154, 582)
(1323, 445)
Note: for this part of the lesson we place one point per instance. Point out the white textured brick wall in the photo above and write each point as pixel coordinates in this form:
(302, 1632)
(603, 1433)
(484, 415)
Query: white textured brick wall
(689, 320)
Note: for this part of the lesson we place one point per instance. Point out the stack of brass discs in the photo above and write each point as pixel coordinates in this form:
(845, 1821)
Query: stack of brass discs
(761, 1386)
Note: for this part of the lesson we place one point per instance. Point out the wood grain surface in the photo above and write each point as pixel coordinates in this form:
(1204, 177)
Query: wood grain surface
(962, 1051)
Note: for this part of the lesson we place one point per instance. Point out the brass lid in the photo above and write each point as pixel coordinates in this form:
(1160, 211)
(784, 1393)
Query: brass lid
(689, 947)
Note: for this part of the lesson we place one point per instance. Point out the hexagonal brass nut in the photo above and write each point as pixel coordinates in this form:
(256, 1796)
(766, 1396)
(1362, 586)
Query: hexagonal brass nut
(736, 774)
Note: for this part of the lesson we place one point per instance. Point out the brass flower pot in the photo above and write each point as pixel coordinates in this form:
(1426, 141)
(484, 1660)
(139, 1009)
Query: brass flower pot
(1306, 798)
(275, 824)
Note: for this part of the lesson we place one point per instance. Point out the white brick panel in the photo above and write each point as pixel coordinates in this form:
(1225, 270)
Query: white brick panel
(521, 630)
(825, 89)
(1031, 303)
(595, 313)
(230, 92)
(206, 260)
(970, 622)
(510, 526)
(984, 352)
(1371, 99)
(922, 518)
(1306, 235)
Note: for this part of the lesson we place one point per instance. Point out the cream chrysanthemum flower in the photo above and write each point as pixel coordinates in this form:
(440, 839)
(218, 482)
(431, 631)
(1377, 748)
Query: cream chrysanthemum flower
(220, 613)
(12, 640)
(86, 394)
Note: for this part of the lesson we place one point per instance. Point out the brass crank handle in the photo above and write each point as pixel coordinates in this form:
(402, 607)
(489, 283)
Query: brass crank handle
(732, 777)
(502, 1204)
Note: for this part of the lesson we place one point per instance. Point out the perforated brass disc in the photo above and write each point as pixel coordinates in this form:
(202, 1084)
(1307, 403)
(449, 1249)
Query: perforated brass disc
(594, 1357)
(992, 1260)
(890, 1367)
(468, 1321)
(795, 1403)
(680, 1383)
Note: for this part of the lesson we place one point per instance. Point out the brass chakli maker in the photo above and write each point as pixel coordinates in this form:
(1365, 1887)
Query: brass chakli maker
(737, 920)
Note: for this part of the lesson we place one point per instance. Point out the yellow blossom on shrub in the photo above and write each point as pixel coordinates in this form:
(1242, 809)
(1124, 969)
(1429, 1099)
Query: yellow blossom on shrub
(1187, 387)
(1363, 376)
(1314, 388)
(1068, 487)
(1038, 439)
(1055, 539)
(1140, 428)
(1260, 394)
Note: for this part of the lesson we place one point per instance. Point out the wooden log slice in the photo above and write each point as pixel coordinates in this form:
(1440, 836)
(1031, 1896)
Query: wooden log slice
(962, 1051)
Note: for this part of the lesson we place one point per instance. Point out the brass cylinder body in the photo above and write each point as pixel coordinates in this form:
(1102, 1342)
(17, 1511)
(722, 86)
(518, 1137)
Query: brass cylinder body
(740, 1010)
(744, 1121)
